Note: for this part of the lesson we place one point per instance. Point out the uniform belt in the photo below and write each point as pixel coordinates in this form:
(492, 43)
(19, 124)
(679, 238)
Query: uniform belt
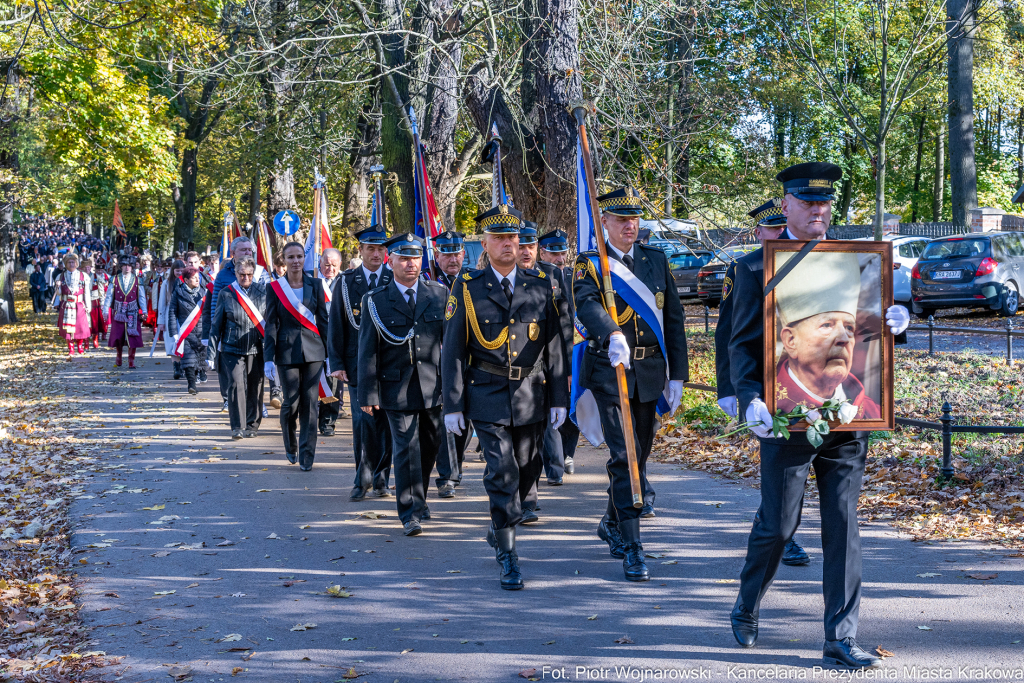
(639, 352)
(512, 372)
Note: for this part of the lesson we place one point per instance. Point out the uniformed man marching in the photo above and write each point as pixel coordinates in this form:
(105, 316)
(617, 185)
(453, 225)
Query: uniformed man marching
(450, 257)
(838, 462)
(399, 372)
(633, 342)
(504, 368)
(768, 225)
(371, 440)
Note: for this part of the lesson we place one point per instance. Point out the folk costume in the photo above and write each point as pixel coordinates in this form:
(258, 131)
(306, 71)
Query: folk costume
(97, 319)
(74, 314)
(125, 300)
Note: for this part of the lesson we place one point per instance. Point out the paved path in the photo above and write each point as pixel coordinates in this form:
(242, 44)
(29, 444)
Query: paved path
(429, 608)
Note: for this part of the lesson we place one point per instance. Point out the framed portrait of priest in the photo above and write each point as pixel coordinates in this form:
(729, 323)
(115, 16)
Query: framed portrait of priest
(826, 341)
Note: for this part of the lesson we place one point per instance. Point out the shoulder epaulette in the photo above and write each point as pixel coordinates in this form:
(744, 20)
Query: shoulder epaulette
(472, 274)
(377, 290)
(432, 283)
(535, 272)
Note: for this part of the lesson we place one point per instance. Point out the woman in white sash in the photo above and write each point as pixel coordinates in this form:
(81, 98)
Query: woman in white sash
(184, 327)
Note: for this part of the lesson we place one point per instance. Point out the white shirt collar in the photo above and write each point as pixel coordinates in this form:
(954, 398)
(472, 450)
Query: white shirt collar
(787, 235)
(840, 395)
(367, 273)
(511, 276)
(620, 253)
(402, 289)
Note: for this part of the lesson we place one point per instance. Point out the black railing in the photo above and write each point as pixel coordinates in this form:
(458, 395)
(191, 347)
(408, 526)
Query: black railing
(931, 328)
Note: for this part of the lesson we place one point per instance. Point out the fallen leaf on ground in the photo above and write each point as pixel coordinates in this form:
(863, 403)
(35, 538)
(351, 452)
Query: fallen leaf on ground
(192, 585)
(179, 673)
(231, 638)
(370, 514)
(238, 595)
(165, 592)
(929, 575)
(273, 535)
(304, 526)
(405, 651)
(624, 640)
(454, 571)
(263, 491)
(592, 617)
(156, 507)
(726, 581)
(350, 674)
(527, 673)
(550, 642)
(656, 556)
(162, 553)
(982, 577)
(883, 653)
(224, 544)
(924, 628)
(345, 640)
(338, 592)
(302, 627)
(235, 670)
(671, 562)
(289, 584)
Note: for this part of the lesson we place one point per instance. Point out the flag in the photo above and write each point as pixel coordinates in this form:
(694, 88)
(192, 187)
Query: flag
(374, 218)
(498, 195)
(225, 236)
(264, 255)
(320, 231)
(429, 214)
(118, 222)
(586, 233)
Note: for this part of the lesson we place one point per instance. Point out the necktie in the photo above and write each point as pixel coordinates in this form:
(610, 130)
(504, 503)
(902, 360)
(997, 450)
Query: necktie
(373, 280)
(412, 298)
(506, 287)
(628, 260)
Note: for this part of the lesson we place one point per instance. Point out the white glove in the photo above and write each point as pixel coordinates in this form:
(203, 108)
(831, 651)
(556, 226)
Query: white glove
(729, 406)
(455, 423)
(210, 364)
(675, 395)
(618, 350)
(205, 342)
(757, 413)
(557, 417)
(270, 371)
(897, 318)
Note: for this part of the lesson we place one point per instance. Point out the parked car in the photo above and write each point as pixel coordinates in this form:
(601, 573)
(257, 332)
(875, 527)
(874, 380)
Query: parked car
(685, 265)
(906, 250)
(711, 277)
(973, 271)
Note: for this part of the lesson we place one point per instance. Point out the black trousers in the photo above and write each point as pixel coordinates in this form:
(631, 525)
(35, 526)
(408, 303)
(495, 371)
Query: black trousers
(513, 463)
(416, 436)
(223, 376)
(839, 470)
(371, 441)
(451, 455)
(39, 302)
(570, 438)
(552, 452)
(245, 389)
(329, 412)
(300, 385)
(620, 494)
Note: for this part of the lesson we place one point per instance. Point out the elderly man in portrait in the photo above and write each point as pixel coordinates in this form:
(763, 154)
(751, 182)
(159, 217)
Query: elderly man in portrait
(818, 334)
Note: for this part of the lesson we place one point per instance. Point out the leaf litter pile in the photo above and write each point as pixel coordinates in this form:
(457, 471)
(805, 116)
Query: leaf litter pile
(902, 484)
(41, 638)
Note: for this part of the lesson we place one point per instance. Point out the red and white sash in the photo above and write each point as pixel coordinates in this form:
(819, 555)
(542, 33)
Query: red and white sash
(307, 320)
(328, 293)
(186, 327)
(249, 307)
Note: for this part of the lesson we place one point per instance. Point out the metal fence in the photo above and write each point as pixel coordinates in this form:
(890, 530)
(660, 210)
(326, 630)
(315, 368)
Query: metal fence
(725, 238)
(931, 328)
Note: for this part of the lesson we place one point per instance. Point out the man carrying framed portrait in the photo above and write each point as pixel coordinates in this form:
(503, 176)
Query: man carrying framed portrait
(812, 326)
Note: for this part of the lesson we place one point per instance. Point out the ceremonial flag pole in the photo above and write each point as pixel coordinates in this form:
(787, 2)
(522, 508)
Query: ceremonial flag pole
(492, 154)
(378, 212)
(425, 208)
(225, 237)
(319, 233)
(119, 234)
(579, 111)
(264, 254)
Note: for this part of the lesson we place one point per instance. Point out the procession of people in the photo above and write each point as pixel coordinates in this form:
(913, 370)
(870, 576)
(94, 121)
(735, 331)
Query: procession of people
(525, 352)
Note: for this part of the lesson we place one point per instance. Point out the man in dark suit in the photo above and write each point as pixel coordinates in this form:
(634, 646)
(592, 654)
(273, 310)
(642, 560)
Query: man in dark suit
(630, 341)
(504, 320)
(294, 350)
(450, 256)
(371, 441)
(330, 268)
(554, 247)
(768, 225)
(399, 372)
(838, 462)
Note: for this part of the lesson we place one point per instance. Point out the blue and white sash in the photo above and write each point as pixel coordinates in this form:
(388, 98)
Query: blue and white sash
(583, 407)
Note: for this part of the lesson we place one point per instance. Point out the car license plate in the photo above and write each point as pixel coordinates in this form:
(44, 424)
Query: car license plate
(683, 290)
(719, 276)
(946, 275)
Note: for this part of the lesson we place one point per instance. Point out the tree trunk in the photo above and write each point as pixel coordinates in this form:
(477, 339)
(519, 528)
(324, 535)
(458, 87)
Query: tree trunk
(963, 174)
(846, 195)
(917, 170)
(880, 190)
(184, 195)
(354, 216)
(940, 172)
(9, 119)
(254, 199)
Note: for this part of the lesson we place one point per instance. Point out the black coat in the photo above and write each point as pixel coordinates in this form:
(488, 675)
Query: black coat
(562, 295)
(343, 336)
(386, 369)
(449, 281)
(231, 330)
(182, 303)
(488, 397)
(723, 332)
(645, 377)
(287, 341)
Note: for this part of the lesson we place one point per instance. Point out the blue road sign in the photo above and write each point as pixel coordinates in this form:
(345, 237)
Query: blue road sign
(286, 222)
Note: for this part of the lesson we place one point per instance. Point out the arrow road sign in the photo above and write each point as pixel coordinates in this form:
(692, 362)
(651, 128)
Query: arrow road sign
(286, 222)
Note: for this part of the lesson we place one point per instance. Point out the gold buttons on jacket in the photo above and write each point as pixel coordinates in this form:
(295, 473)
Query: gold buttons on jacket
(513, 337)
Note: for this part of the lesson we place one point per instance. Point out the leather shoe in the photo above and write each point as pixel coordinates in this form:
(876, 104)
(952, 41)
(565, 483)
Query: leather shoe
(358, 493)
(305, 468)
(446, 491)
(327, 431)
(275, 399)
(794, 555)
(236, 434)
(846, 654)
(292, 457)
(412, 528)
(744, 625)
(529, 516)
(382, 493)
(505, 554)
(647, 511)
(555, 482)
(633, 563)
(249, 433)
(426, 513)
(608, 531)
(491, 541)
(570, 466)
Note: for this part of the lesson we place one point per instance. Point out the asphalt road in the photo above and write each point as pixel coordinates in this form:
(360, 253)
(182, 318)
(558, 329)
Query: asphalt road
(247, 546)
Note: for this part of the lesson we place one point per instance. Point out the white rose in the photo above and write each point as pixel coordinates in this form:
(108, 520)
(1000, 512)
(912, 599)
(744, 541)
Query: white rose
(847, 412)
(812, 416)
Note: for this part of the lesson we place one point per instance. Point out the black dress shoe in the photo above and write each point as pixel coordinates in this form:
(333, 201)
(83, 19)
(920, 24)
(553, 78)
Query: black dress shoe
(529, 516)
(608, 531)
(570, 466)
(794, 555)
(412, 528)
(382, 493)
(505, 553)
(426, 513)
(305, 468)
(446, 491)
(250, 433)
(633, 563)
(292, 457)
(327, 431)
(358, 493)
(846, 654)
(744, 625)
(555, 482)
(647, 511)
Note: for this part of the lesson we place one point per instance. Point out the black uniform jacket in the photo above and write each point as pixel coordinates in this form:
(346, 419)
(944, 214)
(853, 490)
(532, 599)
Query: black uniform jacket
(645, 377)
(231, 330)
(343, 337)
(287, 341)
(386, 370)
(533, 338)
(723, 332)
(449, 280)
(562, 296)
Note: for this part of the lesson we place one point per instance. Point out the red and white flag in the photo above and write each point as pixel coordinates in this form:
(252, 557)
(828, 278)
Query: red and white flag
(249, 307)
(117, 221)
(186, 327)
